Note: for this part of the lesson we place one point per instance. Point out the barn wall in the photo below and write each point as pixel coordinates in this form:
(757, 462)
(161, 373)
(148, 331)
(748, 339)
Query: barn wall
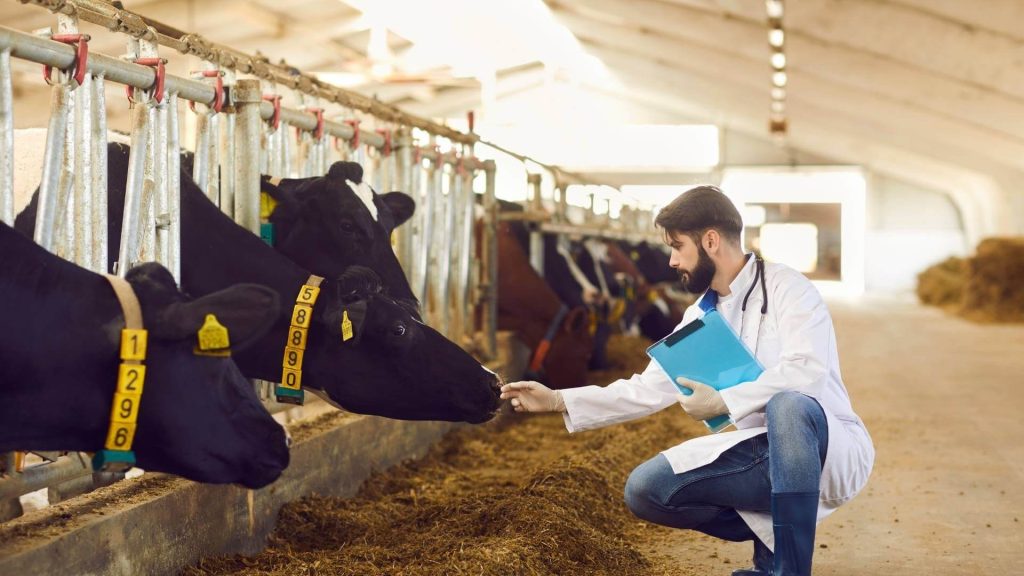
(908, 228)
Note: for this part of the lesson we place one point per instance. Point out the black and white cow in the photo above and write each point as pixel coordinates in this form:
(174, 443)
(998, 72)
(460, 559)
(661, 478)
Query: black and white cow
(331, 222)
(396, 367)
(198, 416)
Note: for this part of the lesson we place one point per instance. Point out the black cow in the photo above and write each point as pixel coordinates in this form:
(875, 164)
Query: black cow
(396, 367)
(198, 416)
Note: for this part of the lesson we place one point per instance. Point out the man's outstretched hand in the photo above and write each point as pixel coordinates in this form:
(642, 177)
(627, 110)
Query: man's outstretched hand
(529, 396)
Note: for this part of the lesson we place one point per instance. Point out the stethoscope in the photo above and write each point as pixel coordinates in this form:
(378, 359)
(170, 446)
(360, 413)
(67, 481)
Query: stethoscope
(758, 275)
(710, 299)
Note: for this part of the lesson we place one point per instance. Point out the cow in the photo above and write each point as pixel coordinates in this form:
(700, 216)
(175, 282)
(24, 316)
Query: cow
(529, 307)
(395, 367)
(59, 352)
(652, 313)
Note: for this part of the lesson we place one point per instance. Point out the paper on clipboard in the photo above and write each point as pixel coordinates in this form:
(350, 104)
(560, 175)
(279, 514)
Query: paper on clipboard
(707, 351)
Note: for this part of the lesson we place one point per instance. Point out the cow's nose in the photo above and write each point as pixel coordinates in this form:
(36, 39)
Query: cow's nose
(496, 384)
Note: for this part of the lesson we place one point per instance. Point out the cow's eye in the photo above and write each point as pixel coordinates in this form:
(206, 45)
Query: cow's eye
(398, 329)
(347, 226)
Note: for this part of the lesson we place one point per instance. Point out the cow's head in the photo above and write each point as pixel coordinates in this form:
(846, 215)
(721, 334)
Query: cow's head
(335, 221)
(406, 369)
(199, 417)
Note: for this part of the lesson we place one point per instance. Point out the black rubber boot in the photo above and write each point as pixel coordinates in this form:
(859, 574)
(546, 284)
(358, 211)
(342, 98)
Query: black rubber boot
(762, 562)
(794, 518)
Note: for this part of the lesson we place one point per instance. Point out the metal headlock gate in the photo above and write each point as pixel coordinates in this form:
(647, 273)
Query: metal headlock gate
(277, 123)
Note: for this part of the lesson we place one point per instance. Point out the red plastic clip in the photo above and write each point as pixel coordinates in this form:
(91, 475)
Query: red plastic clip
(80, 42)
(274, 99)
(318, 132)
(354, 142)
(218, 90)
(386, 151)
(158, 82)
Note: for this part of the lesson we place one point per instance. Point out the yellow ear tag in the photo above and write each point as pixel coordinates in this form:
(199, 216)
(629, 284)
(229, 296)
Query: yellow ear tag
(267, 205)
(346, 327)
(213, 338)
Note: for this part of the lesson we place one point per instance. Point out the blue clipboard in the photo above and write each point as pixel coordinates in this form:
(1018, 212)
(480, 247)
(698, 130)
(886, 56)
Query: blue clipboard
(707, 351)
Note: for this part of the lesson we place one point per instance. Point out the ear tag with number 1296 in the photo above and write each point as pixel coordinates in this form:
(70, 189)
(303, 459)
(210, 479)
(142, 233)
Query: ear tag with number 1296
(213, 338)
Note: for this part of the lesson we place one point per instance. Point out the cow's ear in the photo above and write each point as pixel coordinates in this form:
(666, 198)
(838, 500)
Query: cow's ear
(401, 205)
(282, 191)
(246, 310)
(346, 171)
(348, 321)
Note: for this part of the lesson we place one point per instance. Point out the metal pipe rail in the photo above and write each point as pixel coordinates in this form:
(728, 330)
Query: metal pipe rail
(139, 26)
(598, 231)
(62, 56)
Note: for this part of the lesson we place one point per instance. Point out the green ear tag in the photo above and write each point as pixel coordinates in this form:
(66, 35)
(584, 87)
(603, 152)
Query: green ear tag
(213, 338)
(346, 327)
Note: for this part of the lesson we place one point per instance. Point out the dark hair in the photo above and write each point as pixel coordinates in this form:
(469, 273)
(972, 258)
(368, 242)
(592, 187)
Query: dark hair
(698, 210)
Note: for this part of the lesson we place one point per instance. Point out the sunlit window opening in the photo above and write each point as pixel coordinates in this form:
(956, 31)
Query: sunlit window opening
(792, 244)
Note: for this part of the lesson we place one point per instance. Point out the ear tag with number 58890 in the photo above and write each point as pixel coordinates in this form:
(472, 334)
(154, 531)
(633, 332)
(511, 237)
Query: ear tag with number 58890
(346, 327)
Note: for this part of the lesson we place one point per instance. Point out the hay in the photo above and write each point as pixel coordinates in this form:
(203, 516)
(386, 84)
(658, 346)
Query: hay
(994, 290)
(988, 287)
(942, 284)
(517, 497)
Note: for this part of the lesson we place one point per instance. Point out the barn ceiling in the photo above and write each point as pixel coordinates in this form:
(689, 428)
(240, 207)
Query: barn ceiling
(929, 91)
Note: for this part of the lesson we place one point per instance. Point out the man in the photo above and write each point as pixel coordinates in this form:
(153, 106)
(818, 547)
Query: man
(798, 451)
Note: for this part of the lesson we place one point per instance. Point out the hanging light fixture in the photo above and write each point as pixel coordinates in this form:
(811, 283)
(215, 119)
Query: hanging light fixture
(777, 123)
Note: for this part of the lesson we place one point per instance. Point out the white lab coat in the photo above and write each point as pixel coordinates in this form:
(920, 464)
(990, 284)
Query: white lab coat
(796, 343)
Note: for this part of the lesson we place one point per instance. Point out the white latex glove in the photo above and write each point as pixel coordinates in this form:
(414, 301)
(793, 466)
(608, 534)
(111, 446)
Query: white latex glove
(529, 396)
(704, 403)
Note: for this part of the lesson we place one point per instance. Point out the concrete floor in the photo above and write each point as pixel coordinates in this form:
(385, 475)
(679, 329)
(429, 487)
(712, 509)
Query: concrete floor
(942, 399)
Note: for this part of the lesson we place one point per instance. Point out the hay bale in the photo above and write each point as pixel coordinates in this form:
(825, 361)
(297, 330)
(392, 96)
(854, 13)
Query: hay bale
(942, 284)
(994, 286)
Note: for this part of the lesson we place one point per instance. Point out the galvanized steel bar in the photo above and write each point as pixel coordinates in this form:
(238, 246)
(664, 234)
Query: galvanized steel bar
(162, 201)
(44, 475)
(46, 208)
(6, 140)
(83, 196)
(491, 254)
(128, 253)
(150, 187)
(431, 191)
(407, 178)
(98, 161)
(448, 253)
(286, 150)
(173, 188)
(466, 252)
(201, 160)
(247, 97)
(213, 175)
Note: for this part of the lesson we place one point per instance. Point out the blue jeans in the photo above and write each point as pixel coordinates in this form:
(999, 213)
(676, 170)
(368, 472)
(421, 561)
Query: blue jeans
(788, 458)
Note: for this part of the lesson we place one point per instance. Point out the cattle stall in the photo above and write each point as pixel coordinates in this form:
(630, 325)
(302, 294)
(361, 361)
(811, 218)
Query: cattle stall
(249, 118)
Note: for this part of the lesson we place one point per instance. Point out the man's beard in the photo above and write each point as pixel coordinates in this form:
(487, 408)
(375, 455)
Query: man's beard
(699, 279)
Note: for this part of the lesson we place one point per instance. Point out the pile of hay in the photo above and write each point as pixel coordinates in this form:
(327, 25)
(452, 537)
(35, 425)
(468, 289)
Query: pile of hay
(994, 290)
(942, 284)
(520, 496)
(987, 287)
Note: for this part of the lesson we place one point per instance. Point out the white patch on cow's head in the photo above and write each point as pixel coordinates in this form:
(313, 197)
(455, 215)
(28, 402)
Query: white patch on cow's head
(365, 193)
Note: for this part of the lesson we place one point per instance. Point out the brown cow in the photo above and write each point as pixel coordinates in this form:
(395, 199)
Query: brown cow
(529, 307)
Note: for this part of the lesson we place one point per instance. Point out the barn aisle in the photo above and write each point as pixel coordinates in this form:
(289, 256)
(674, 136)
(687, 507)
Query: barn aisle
(489, 501)
(942, 398)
